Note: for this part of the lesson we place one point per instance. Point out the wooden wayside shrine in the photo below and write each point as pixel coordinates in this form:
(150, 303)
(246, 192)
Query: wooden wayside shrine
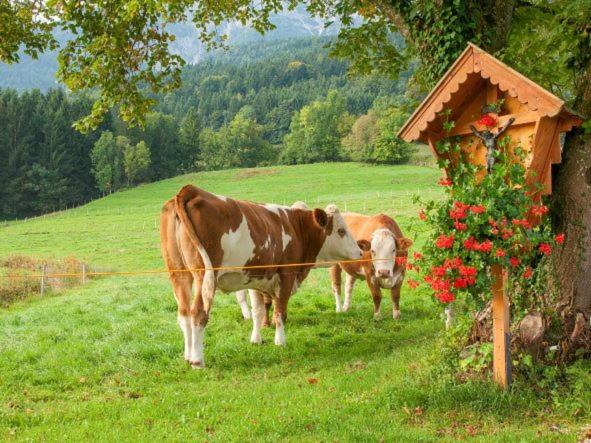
(475, 81)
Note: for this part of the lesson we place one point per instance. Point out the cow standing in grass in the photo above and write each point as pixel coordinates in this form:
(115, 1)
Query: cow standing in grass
(385, 243)
(268, 300)
(220, 242)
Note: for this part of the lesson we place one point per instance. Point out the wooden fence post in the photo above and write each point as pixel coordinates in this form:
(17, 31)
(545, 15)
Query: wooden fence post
(501, 329)
(43, 271)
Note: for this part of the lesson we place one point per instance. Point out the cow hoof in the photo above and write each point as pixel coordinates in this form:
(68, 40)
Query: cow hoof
(377, 316)
(338, 309)
(197, 365)
(395, 314)
(256, 341)
(345, 308)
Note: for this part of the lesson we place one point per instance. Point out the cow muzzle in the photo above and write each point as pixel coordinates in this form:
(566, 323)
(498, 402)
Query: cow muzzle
(383, 273)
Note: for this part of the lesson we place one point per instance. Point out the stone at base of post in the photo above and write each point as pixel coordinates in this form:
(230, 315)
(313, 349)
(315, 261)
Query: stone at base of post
(501, 329)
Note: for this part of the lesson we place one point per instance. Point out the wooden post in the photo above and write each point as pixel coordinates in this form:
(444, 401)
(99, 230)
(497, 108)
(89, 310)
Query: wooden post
(501, 331)
(84, 273)
(43, 270)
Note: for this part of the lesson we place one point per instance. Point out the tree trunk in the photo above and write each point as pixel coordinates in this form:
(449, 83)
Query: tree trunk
(572, 215)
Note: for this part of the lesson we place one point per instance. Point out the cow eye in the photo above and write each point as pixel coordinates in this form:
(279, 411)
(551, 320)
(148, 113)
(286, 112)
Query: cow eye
(341, 232)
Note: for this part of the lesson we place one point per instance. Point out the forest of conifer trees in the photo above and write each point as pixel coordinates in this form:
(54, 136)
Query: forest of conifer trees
(282, 101)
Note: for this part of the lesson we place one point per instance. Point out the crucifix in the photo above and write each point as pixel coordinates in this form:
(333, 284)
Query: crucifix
(490, 141)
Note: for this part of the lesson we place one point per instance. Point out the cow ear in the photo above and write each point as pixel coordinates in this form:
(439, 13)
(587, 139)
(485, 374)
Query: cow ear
(403, 243)
(364, 245)
(320, 217)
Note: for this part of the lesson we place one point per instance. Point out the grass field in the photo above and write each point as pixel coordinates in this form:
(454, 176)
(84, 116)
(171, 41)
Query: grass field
(103, 361)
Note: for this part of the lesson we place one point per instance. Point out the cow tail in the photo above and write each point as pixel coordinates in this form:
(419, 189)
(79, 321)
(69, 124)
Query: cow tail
(187, 193)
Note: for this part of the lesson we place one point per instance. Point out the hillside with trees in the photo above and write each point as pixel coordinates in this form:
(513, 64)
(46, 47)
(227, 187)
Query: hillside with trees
(277, 102)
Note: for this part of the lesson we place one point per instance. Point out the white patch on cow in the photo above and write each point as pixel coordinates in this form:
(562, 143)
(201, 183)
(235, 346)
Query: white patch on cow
(237, 249)
(383, 252)
(197, 357)
(258, 313)
(222, 197)
(349, 284)
(395, 313)
(285, 238)
(336, 247)
(280, 332)
(241, 299)
(184, 322)
(277, 209)
(268, 243)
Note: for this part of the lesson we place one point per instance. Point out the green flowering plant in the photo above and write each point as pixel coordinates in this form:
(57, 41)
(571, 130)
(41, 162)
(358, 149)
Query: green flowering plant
(484, 219)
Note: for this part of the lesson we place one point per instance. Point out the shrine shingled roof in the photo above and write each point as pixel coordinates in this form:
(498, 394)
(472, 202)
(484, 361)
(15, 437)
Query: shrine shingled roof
(474, 60)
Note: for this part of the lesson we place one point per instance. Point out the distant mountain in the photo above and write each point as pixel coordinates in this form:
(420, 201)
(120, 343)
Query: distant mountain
(29, 73)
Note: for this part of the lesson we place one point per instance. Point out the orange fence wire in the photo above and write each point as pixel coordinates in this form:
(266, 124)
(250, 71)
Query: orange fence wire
(173, 271)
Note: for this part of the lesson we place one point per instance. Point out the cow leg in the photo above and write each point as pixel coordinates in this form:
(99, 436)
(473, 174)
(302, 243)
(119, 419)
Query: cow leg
(349, 284)
(280, 312)
(268, 302)
(335, 277)
(258, 313)
(200, 310)
(395, 294)
(376, 295)
(241, 299)
(181, 284)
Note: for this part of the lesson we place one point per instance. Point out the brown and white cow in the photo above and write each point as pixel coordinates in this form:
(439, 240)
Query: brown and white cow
(200, 230)
(384, 242)
(268, 300)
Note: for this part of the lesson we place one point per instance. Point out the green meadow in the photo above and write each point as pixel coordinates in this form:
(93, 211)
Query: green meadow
(103, 361)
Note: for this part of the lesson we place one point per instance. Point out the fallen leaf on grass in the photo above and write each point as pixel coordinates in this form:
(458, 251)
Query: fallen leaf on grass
(312, 381)
(471, 430)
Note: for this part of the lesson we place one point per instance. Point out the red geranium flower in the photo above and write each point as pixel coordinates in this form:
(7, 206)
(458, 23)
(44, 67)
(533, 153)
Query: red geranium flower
(460, 226)
(470, 243)
(445, 242)
(559, 238)
(468, 271)
(500, 253)
(412, 283)
(479, 209)
(514, 261)
(539, 210)
(485, 246)
(452, 263)
(528, 272)
(422, 215)
(460, 283)
(439, 271)
(400, 261)
(545, 248)
(494, 231)
(457, 214)
(417, 256)
(507, 233)
(445, 296)
(445, 182)
(489, 120)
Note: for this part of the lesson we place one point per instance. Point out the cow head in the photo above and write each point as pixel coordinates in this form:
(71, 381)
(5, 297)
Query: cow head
(384, 247)
(339, 243)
